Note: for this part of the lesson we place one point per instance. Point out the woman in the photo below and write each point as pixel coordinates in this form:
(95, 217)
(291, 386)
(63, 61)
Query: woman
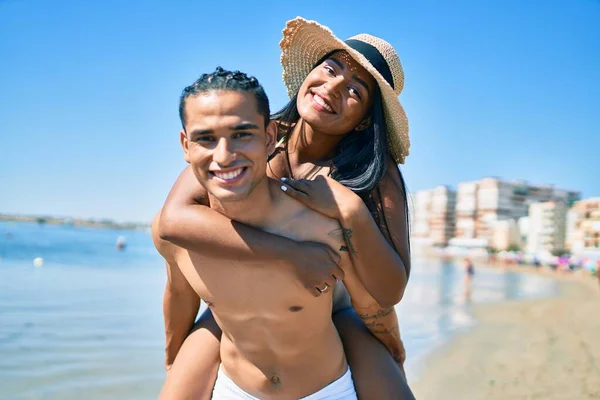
(345, 129)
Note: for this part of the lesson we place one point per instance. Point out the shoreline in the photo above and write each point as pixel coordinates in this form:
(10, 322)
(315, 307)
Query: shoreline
(76, 222)
(525, 349)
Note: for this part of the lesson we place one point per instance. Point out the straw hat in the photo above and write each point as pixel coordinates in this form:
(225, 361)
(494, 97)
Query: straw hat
(306, 42)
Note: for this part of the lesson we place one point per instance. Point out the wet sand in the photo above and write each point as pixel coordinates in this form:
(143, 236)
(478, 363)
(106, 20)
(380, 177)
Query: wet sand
(525, 349)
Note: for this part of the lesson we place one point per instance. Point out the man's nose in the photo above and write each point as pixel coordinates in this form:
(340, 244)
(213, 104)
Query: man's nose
(223, 154)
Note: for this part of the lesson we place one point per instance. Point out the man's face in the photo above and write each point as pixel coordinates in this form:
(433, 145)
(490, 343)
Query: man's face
(226, 143)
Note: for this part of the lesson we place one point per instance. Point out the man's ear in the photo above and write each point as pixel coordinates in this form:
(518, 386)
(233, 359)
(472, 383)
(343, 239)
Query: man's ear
(271, 141)
(184, 145)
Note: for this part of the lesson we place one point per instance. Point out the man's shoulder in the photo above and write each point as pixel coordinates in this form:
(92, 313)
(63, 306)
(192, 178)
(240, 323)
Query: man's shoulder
(164, 247)
(303, 223)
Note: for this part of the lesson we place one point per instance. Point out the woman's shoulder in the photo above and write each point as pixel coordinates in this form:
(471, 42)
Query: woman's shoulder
(391, 179)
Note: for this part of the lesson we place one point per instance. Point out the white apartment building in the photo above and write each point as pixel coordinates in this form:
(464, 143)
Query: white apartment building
(421, 213)
(434, 215)
(585, 216)
(547, 227)
(481, 203)
(466, 210)
(505, 233)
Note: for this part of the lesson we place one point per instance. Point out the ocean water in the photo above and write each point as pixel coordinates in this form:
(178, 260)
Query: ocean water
(88, 323)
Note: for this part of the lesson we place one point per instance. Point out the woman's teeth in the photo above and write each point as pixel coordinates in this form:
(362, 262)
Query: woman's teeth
(322, 103)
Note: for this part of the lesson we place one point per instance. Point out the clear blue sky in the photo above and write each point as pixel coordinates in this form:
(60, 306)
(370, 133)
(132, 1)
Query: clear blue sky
(89, 91)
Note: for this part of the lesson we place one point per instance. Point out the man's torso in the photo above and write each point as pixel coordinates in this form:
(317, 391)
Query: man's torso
(277, 337)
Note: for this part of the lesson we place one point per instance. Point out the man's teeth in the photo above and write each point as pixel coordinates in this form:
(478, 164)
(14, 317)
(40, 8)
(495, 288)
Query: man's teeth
(322, 103)
(228, 175)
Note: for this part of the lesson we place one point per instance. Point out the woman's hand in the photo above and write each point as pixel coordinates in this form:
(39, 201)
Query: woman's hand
(315, 265)
(324, 195)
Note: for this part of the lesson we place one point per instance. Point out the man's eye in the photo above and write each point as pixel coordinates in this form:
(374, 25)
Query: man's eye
(242, 135)
(204, 139)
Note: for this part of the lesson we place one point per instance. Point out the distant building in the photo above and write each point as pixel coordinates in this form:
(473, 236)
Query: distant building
(585, 232)
(420, 215)
(523, 224)
(433, 216)
(505, 235)
(572, 218)
(547, 227)
(466, 210)
(480, 203)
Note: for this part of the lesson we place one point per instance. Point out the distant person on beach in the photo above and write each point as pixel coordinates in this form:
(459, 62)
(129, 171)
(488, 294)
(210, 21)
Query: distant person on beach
(469, 269)
(121, 243)
(278, 339)
(469, 272)
(339, 141)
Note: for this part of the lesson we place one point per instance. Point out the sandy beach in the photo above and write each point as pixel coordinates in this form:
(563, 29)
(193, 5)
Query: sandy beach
(526, 349)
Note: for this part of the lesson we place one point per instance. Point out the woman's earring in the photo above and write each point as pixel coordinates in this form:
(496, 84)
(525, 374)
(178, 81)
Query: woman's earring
(363, 125)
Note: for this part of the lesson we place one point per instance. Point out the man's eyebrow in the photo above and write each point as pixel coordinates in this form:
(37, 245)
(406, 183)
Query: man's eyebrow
(200, 132)
(243, 126)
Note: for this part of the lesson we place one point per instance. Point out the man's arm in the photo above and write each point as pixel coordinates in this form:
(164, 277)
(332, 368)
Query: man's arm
(180, 302)
(180, 307)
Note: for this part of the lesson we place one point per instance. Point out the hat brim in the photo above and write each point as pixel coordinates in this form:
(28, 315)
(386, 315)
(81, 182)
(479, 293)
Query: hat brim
(306, 42)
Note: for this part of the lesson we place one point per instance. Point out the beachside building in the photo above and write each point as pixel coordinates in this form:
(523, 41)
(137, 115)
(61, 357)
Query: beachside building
(466, 210)
(572, 219)
(434, 216)
(547, 227)
(523, 227)
(420, 215)
(442, 221)
(480, 203)
(505, 235)
(585, 236)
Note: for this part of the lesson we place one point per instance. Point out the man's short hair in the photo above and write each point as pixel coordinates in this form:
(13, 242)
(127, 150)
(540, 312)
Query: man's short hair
(222, 79)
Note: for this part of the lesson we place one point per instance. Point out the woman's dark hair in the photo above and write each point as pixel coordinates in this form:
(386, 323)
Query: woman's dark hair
(361, 156)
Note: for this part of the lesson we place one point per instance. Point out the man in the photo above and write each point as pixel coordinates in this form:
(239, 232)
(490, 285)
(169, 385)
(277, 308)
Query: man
(278, 340)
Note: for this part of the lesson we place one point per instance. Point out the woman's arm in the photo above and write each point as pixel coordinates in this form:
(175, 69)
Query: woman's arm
(382, 264)
(381, 254)
(186, 221)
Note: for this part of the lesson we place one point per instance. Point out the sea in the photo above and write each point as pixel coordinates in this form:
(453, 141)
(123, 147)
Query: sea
(84, 320)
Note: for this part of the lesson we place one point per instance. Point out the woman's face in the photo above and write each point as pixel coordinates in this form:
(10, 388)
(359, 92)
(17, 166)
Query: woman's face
(336, 96)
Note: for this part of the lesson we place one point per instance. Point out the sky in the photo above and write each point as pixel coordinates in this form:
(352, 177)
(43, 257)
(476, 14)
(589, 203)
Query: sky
(89, 91)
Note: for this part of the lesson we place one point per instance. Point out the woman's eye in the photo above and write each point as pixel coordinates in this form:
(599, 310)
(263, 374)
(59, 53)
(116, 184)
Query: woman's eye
(242, 135)
(354, 92)
(329, 70)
